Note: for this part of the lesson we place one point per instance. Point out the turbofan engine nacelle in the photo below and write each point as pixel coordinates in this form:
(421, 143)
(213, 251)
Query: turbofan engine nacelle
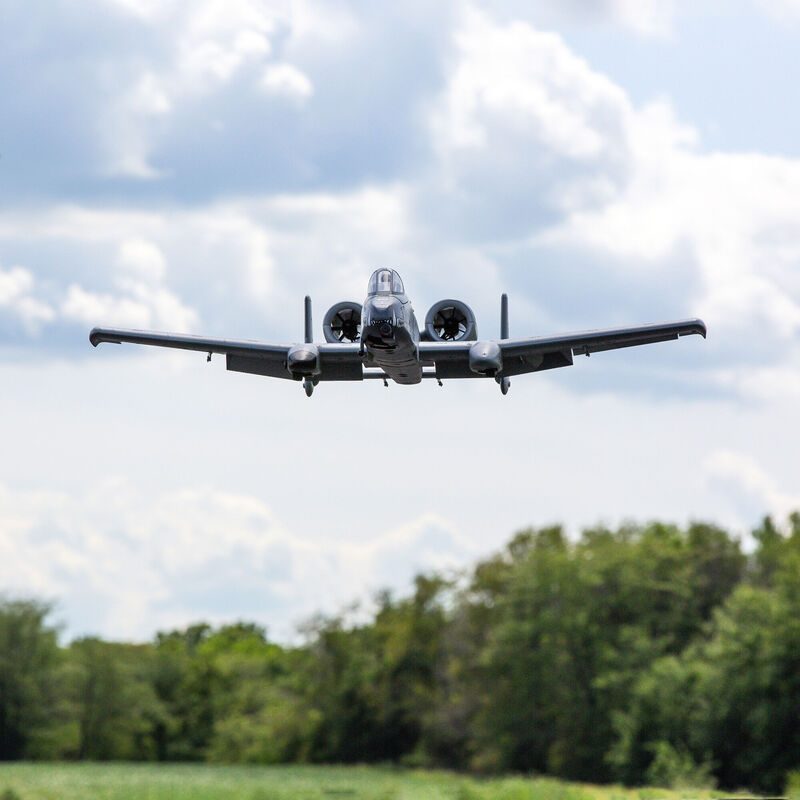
(450, 321)
(342, 323)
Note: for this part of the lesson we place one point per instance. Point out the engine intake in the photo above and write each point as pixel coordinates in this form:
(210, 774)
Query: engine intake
(342, 322)
(450, 321)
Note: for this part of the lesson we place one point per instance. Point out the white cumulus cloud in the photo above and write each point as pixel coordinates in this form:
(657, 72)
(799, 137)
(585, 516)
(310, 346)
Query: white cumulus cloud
(124, 564)
(203, 48)
(284, 79)
(542, 153)
(750, 489)
(17, 294)
(519, 86)
(782, 10)
(142, 258)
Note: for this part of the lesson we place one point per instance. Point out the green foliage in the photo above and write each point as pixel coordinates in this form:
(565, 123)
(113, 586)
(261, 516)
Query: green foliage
(646, 653)
(793, 785)
(264, 725)
(204, 782)
(255, 720)
(676, 769)
(571, 627)
(114, 701)
(28, 657)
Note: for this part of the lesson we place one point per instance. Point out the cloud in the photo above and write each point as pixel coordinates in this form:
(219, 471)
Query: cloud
(782, 10)
(143, 258)
(522, 82)
(188, 101)
(13, 284)
(499, 151)
(648, 17)
(286, 80)
(125, 80)
(728, 216)
(42, 301)
(747, 486)
(122, 564)
(237, 268)
(201, 49)
(17, 287)
(215, 161)
(605, 205)
(137, 306)
(522, 121)
(141, 301)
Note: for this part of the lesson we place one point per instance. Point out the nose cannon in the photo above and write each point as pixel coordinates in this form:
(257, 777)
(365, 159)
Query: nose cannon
(381, 315)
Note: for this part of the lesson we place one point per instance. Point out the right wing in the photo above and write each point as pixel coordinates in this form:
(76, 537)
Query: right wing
(337, 361)
(547, 352)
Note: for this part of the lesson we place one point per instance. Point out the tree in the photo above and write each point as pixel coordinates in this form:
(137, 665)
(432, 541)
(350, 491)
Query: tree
(28, 657)
(184, 680)
(116, 708)
(259, 716)
(571, 626)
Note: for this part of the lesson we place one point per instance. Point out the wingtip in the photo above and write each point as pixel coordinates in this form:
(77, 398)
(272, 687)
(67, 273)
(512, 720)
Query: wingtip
(701, 327)
(98, 335)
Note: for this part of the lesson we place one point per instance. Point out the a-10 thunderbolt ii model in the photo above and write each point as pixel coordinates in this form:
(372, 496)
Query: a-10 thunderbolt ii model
(381, 339)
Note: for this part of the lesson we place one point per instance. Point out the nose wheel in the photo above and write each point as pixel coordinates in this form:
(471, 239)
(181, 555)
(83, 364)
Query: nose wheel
(308, 385)
(505, 384)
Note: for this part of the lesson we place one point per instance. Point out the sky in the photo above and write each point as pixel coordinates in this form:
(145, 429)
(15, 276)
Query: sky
(201, 166)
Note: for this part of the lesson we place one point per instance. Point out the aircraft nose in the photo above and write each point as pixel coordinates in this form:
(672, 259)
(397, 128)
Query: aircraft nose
(385, 329)
(381, 311)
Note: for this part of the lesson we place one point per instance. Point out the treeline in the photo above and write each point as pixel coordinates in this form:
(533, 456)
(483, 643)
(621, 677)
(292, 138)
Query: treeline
(647, 654)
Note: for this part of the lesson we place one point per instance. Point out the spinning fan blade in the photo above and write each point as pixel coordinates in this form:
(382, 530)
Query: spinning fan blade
(342, 322)
(450, 320)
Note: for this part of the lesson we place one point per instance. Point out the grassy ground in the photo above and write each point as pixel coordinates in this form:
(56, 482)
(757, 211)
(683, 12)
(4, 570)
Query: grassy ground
(34, 781)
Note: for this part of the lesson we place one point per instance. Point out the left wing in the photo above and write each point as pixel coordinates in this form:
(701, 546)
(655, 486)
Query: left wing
(451, 359)
(336, 361)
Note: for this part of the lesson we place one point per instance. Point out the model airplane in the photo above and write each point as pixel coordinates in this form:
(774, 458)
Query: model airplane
(381, 339)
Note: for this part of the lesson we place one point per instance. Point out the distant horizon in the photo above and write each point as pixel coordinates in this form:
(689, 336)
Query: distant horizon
(358, 609)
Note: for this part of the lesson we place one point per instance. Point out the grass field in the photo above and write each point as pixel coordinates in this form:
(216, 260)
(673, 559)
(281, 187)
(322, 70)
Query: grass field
(35, 781)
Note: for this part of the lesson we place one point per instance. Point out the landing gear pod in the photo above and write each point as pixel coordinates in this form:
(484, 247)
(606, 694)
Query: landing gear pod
(485, 358)
(302, 361)
(342, 323)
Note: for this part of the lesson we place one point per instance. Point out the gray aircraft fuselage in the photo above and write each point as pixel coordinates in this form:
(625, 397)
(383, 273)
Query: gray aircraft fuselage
(390, 335)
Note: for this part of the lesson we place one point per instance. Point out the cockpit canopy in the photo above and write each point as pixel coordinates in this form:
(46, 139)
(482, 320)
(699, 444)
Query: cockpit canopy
(385, 281)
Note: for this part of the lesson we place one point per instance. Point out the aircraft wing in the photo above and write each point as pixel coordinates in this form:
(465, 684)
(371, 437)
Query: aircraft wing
(451, 359)
(337, 361)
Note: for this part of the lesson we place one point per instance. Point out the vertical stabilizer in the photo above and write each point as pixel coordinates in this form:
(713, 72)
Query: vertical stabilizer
(309, 327)
(504, 382)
